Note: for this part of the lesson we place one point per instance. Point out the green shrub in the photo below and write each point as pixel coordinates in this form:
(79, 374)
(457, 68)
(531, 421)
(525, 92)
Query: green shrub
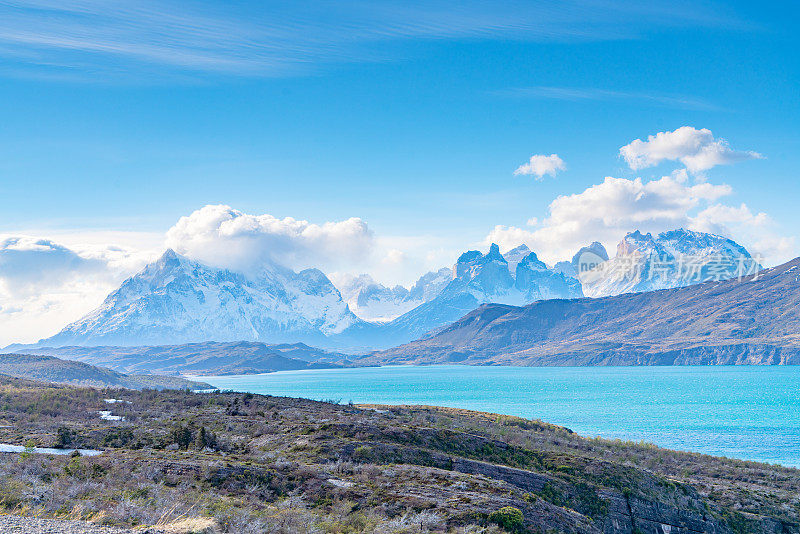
(206, 438)
(118, 437)
(551, 494)
(11, 493)
(64, 437)
(363, 452)
(182, 436)
(508, 517)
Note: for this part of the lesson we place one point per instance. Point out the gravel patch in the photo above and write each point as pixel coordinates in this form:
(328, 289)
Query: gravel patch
(14, 524)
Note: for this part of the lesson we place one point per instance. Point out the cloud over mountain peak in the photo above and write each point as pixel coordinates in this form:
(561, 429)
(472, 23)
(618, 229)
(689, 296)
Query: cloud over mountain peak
(222, 236)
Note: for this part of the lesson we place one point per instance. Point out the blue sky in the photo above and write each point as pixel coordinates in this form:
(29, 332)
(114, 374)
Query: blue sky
(117, 120)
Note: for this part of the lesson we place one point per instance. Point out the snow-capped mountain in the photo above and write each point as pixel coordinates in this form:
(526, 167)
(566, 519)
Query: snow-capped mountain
(535, 281)
(750, 321)
(481, 278)
(430, 285)
(516, 255)
(672, 259)
(177, 300)
(588, 258)
(373, 301)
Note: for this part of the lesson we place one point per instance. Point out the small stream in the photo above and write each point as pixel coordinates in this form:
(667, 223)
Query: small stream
(45, 450)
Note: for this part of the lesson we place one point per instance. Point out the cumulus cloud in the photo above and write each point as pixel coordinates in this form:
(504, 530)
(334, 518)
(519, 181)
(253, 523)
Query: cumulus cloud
(756, 230)
(222, 236)
(539, 165)
(394, 256)
(697, 149)
(44, 284)
(28, 263)
(607, 211)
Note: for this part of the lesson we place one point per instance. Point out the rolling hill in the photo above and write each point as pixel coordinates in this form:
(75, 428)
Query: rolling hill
(209, 358)
(50, 369)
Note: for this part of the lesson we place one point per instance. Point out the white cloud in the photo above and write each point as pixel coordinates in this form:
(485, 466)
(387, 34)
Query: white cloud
(539, 165)
(45, 284)
(755, 230)
(394, 256)
(222, 236)
(402, 259)
(28, 264)
(605, 212)
(697, 149)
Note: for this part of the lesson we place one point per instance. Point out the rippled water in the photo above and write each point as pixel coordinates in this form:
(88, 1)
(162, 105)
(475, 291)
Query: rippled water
(747, 412)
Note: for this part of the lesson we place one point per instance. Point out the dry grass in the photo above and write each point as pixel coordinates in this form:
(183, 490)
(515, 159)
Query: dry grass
(254, 464)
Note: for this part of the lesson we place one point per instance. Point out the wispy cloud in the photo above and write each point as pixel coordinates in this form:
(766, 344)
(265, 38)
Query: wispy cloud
(576, 94)
(95, 37)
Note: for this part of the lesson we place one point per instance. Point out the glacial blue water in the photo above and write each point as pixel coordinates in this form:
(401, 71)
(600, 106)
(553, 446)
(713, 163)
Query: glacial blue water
(745, 412)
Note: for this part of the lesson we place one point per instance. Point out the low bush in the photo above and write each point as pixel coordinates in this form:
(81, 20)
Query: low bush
(509, 518)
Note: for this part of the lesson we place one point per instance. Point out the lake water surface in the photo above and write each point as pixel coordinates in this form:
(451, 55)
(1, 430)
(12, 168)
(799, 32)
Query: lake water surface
(746, 412)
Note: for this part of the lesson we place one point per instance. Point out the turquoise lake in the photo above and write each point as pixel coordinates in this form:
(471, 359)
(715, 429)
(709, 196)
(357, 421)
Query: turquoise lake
(746, 412)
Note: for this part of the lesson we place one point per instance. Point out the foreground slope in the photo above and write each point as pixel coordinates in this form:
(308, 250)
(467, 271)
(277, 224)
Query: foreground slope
(753, 320)
(266, 464)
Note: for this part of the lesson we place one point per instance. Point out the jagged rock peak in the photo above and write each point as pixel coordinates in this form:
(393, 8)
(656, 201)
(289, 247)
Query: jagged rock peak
(521, 249)
(169, 254)
(469, 256)
(638, 242)
(532, 261)
(596, 248)
(473, 259)
(516, 255)
(682, 241)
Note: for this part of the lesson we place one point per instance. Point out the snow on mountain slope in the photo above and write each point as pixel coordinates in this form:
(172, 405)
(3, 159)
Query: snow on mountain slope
(672, 259)
(176, 300)
(482, 278)
(373, 301)
(535, 281)
(430, 285)
(754, 321)
(516, 255)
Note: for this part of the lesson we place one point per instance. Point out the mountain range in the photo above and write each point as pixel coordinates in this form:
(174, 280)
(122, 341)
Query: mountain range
(373, 301)
(481, 278)
(672, 259)
(177, 300)
(754, 320)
